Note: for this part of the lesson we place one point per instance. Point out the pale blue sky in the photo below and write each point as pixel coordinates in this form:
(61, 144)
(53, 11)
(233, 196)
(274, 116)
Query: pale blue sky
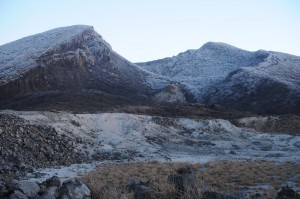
(142, 30)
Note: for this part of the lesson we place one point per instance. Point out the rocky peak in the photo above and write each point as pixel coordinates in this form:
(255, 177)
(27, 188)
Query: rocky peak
(19, 56)
(217, 46)
(70, 59)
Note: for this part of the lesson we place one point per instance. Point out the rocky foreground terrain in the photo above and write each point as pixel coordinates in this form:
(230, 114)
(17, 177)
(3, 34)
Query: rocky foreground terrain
(45, 140)
(66, 138)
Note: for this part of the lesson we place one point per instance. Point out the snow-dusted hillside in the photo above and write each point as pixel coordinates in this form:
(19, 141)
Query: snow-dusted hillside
(217, 73)
(279, 67)
(73, 58)
(205, 66)
(273, 86)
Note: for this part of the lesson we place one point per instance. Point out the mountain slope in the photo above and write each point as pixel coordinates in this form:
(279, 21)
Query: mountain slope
(217, 73)
(205, 66)
(70, 63)
(273, 86)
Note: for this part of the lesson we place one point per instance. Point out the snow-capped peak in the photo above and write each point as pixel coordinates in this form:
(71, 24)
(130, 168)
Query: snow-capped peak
(218, 45)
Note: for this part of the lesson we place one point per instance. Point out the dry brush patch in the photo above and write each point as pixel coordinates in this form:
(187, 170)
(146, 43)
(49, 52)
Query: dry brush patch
(233, 175)
(110, 180)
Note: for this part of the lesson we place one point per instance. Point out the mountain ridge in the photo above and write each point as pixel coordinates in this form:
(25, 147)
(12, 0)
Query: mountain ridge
(198, 67)
(74, 66)
(218, 73)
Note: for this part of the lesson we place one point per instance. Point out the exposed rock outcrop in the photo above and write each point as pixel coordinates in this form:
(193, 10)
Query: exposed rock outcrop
(171, 94)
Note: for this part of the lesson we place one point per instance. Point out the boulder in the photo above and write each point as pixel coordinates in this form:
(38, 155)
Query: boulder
(74, 189)
(287, 193)
(141, 189)
(18, 195)
(30, 189)
(53, 181)
(50, 193)
(132, 184)
(215, 195)
(4, 191)
(142, 192)
(183, 179)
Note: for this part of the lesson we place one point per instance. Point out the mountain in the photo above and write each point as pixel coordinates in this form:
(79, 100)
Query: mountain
(263, 82)
(205, 66)
(70, 66)
(74, 68)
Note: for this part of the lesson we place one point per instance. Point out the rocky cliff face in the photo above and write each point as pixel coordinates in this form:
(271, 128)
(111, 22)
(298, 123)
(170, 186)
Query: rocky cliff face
(70, 63)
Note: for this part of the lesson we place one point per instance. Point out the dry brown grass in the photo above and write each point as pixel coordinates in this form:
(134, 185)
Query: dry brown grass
(233, 175)
(110, 180)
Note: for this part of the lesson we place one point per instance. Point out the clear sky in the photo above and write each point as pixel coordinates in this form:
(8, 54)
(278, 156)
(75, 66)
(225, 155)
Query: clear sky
(143, 30)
